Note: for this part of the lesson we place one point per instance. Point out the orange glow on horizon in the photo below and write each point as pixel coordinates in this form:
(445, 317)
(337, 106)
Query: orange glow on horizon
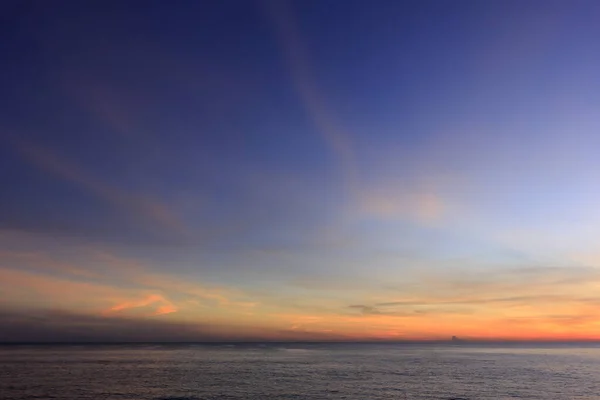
(126, 288)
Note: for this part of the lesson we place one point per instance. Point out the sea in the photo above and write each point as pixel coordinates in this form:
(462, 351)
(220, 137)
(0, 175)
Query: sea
(299, 371)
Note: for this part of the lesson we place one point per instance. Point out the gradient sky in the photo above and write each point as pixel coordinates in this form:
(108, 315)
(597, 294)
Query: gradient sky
(310, 170)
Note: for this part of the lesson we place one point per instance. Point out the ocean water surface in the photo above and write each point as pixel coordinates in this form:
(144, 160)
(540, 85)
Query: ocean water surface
(299, 371)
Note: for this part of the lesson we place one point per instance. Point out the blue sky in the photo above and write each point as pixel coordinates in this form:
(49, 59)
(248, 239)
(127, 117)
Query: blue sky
(294, 160)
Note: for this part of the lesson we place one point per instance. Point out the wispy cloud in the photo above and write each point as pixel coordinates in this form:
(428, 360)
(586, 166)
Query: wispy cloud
(426, 302)
(111, 107)
(43, 290)
(515, 300)
(161, 304)
(141, 206)
(530, 301)
(367, 310)
(297, 56)
(403, 203)
(103, 282)
(132, 270)
(34, 260)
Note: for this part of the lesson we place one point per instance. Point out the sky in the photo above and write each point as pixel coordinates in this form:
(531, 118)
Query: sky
(299, 170)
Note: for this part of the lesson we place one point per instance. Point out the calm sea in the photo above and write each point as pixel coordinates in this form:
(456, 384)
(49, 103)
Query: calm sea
(308, 371)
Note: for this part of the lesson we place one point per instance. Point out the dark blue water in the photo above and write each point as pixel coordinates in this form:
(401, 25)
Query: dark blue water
(228, 372)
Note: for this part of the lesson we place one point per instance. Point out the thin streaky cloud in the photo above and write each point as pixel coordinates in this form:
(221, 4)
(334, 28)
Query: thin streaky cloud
(163, 305)
(138, 205)
(297, 57)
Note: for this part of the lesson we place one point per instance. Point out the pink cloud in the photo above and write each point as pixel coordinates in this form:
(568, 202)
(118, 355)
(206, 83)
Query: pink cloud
(420, 204)
(163, 306)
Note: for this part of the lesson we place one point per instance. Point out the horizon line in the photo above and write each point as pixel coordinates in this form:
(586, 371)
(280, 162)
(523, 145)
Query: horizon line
(372, 341)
